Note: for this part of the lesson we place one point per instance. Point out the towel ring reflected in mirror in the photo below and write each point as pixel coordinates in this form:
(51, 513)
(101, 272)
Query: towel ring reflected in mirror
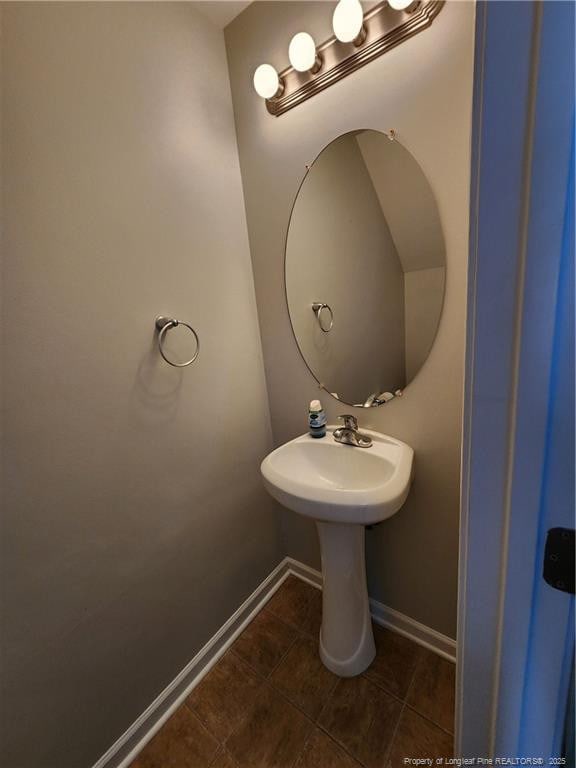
(317, 308)
(163, 325)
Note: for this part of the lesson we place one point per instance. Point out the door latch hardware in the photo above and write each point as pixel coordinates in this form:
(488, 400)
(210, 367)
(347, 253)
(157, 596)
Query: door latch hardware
(559, 559)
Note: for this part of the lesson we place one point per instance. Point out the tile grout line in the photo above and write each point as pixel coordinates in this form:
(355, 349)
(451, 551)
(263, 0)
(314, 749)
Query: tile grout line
(428, 719)
(387, 691)
(222, 743)
(264, 680)
(383, 688)
(314, 722)
(204, 723)
(341, 745)
(284, 655)
(244, 718)
(328, 697)
(404, 705)
(223, 751)
(419, 661)
(414, 708)
(394, 734)
(402, 710)
(301, 753)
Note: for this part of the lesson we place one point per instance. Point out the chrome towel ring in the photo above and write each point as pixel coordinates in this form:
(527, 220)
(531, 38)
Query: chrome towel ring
(163, 325)
(317, 308)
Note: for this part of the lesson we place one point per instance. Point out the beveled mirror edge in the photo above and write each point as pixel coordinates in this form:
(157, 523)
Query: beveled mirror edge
(391, 135)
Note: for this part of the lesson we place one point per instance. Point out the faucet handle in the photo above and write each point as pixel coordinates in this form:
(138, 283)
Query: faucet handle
(350, 422)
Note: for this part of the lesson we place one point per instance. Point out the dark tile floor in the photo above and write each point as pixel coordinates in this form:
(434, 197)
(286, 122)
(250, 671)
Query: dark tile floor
(270, 703)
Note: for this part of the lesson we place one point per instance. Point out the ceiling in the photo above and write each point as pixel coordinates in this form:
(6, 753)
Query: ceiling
(221, 12)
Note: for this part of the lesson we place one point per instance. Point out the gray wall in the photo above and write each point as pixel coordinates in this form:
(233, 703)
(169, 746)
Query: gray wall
(405, 195)
(134, 518)
(422, 89)
(423, 295)
(339, 251)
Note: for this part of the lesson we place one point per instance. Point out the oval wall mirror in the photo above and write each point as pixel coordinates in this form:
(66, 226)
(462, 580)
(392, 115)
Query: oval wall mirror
(365, 268)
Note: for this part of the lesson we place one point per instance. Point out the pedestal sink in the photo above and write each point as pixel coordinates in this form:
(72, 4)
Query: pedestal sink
(343, 488)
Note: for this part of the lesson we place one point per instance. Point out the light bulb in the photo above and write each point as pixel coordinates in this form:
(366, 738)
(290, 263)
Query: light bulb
(266, 81)
(302, 52)
(403, 5)
(347, 20)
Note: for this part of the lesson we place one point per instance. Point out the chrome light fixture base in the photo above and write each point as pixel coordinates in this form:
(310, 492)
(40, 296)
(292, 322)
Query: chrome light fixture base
(318, 61)
(383, 29)
(360, 38)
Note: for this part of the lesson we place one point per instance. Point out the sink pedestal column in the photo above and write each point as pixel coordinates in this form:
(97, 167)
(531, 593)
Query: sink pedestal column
(346, 638)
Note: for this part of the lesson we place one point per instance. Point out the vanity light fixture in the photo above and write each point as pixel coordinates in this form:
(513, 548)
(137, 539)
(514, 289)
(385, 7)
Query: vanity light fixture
(302, 53)
(358, 39)
(404, 5)
(267, 84)
(348, 22)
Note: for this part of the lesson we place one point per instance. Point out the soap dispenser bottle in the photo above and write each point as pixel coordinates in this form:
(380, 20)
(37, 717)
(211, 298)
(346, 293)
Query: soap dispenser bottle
(316, 419)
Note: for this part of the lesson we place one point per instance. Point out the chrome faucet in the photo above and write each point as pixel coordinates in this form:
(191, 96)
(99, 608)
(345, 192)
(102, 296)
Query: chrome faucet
(349, 435)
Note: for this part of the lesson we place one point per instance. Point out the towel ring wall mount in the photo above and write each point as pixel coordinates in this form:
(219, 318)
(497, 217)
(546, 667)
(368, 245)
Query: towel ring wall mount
(317, 308)
(163, 325)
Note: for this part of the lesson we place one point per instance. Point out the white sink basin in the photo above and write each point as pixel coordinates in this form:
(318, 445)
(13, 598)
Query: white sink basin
(343, 488)
(332, 482)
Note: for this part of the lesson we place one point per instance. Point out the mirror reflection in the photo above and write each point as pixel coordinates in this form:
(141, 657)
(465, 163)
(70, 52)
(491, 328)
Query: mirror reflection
(365, 268)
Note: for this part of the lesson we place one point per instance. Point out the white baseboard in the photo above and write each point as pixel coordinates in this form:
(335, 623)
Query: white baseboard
(419, 633)
(126, 748)
(304, 572)
(388, 617)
